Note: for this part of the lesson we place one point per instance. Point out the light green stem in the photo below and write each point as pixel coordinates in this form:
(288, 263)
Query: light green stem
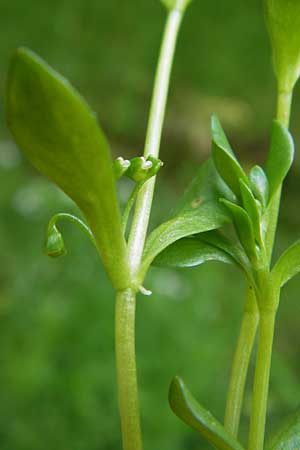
(129, 205)
(126, 370)
(156, 118)
(241, 363)
(261, 381)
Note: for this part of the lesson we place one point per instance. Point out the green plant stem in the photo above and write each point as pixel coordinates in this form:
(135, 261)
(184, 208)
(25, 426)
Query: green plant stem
(126, 370)
(284, 104)
(156, 118)
(261, 381)
(129, 205)
(241, 363)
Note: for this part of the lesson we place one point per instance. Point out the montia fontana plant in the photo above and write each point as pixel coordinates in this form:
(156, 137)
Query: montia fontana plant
(57, 131)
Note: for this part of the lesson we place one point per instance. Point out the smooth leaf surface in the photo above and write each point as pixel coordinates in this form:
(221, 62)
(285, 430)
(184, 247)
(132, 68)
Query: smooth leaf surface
(189, 411)
(288, 265)
(283, 22)
(191, 252)
(252, 206)
(225, 161)
(243, 226)
(59, 134)
(198, 210)
(280, 157)
(288, 436)
(259, 185)
(207, 217)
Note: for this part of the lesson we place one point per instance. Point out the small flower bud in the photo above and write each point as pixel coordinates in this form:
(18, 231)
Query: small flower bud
(283, 23)
(55, 245)
(120, 166)
(142, 169)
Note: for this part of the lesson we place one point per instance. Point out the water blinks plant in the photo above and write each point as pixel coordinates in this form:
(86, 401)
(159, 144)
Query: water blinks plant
(59, 134)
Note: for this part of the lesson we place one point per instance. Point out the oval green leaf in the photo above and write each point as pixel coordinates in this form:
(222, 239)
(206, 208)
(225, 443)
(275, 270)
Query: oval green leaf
(193, 414)
(280, 156)
(259, 185)
(59, 134)
(191, 252)
(198, 210)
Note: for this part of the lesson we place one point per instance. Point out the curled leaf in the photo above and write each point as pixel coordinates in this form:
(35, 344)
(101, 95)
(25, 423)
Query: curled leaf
(55, 245)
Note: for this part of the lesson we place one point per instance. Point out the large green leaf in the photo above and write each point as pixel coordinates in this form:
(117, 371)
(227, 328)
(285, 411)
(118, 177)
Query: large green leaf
(60, 136)
(225, 161)
(190, 252)
(280, 157)
(207, 217)
(288, 436)
(189, 411)
(288, 265)
(199, 210)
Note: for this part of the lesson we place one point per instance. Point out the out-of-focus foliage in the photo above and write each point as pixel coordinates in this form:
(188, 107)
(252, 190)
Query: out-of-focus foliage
(57, 373)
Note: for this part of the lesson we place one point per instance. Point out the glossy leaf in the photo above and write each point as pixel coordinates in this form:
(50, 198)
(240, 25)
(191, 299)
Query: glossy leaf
(253, 208)
(283, 22)
(288, 436)
(189, 411)
(243, 226)
(190, 252)
(280, 157)
(225, 161)
(199, 210)
(259, 185)
(207, 217)
(59, 134)
(288, 265)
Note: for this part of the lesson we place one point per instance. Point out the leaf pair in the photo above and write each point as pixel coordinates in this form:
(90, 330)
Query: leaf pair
(59, 134)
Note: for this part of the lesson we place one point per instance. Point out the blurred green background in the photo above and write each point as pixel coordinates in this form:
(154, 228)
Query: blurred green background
(57, 373)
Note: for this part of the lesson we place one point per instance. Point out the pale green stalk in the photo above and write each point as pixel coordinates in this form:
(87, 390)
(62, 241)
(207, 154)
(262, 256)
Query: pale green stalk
(157, 113)
(241, 363)
(126, 370)
(267, 317)
(125, 302)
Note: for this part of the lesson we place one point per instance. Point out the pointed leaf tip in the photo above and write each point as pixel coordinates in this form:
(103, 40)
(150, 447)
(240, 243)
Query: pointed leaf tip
(59, 134)
(193, 414)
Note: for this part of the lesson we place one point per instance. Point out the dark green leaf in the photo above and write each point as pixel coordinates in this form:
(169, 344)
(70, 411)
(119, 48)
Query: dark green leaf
(259, 185)
(243, 226)
(199, 210)
(288, 265)
(59, 134)
(190, 252)
(280, 157)
(225, 161)
(288, 436)
(207, 217)
(253, 208)
(189, 411)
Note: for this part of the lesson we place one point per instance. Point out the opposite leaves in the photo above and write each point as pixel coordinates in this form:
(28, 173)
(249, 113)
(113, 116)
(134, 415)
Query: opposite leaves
(60, 136)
